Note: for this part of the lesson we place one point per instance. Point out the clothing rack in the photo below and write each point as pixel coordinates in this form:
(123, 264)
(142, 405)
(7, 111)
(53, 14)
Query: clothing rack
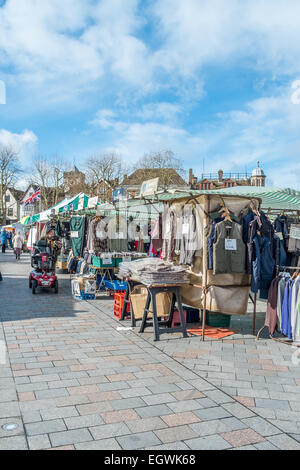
(278, 267)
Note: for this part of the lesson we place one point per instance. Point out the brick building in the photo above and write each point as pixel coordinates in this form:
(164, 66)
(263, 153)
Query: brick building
(222, 180)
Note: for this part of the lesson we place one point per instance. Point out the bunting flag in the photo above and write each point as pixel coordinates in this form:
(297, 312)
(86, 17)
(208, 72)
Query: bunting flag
(34, 197)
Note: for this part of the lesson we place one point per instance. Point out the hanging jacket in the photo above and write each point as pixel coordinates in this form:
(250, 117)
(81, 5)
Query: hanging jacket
(211, 238)
(247, 219)
(228, 260)
(263, 266)
(262, 227)
(77, 224)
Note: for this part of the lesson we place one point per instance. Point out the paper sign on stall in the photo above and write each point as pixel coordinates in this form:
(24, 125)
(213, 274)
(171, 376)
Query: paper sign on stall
(230, 244)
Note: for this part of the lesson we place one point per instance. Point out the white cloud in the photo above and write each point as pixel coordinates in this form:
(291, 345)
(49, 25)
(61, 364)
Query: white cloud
(267, 129)
(24, 143)
(262, 34)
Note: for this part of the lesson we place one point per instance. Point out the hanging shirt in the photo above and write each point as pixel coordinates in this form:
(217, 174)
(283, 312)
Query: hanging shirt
(297, 324)
(286, 328)
(294, 298)
(280, 296)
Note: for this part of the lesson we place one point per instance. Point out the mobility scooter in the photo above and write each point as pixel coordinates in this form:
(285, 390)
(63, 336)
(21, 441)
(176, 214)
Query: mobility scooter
(43, 264)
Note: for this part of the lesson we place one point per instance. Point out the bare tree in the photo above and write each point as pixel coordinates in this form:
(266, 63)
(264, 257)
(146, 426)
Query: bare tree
(105, 170)
(48, 174)
(163, 160)
(9, 171)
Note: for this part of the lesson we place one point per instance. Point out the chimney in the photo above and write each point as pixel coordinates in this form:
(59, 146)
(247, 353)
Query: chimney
(191, 176)
(220, 173)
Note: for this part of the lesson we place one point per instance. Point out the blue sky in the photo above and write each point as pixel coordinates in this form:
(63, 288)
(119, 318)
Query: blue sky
(213, 80)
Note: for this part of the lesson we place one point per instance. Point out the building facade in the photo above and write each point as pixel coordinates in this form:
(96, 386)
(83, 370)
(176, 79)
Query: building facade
(12, 205)
(168, 178)
(221, 180)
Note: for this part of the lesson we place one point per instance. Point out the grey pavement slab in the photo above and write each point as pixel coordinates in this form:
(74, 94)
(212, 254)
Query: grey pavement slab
(138, 440)
(58, 345)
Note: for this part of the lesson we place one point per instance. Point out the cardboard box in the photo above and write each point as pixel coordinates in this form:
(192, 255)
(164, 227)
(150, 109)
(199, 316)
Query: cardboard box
(138, 301)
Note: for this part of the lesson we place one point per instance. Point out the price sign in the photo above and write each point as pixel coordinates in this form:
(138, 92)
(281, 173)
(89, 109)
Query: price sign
(230, 244)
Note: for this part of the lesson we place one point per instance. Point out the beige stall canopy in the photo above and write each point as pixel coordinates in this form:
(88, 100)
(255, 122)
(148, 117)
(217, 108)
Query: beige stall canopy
(224, 293)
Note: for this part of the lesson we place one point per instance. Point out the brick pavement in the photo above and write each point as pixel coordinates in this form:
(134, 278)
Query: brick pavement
(72, 381)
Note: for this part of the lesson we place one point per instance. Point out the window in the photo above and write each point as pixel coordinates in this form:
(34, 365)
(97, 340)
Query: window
(10, 212)
(7, 198)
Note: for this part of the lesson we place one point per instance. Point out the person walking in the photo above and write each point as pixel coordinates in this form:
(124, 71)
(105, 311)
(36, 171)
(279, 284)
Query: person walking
(18, 243)
(10, 240)
(3, 240)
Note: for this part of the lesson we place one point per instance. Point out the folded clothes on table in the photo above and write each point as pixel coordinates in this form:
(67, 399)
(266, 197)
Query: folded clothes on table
(153, 271)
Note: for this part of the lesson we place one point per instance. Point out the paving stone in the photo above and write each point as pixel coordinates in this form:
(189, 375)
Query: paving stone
(117, 416)
(173, 446)
(70, 437)
(92, 408)
(127, 403)
(217, 426)
(212, 413)
(31, 417)
(284, 442)
(51, 393)
(261, 426)
(273, 404)
(13, 443)
(171, 434)
(242, 437)
(111, 430)
(160, 398)
(153, 410)
(104, 444)
(188, 394)
(83, 421)
(213, 442)
(135, 392)
(8, 410)
(186, 417)
(286, 426)
(39, 442)
(146, 424)
(138, 441)
(238, 410)
(218, 396)
(45, 427)
(265, 446)
(114, 386)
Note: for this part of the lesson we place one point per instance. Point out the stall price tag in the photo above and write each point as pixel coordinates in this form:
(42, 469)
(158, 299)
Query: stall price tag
(230, 244)
(185, 229)
(107, 260)
(74, 234)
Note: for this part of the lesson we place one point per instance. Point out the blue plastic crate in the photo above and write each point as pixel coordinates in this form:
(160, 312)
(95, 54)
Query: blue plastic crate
(84, 296)
(115, 285)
